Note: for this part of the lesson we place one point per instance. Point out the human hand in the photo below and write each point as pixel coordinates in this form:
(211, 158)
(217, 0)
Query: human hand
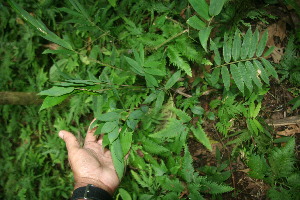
(91, 164)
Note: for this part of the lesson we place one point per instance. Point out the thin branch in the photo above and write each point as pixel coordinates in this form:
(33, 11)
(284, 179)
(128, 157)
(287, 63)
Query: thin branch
(171, 38)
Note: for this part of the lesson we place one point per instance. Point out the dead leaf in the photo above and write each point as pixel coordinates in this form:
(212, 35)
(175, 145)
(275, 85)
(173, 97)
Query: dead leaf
(277, 54)
(290, 131)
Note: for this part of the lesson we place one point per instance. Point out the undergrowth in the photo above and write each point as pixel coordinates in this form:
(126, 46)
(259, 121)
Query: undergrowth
(140, 68)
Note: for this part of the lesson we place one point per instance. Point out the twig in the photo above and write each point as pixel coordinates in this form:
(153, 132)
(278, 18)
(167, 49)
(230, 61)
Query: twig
(171, 38)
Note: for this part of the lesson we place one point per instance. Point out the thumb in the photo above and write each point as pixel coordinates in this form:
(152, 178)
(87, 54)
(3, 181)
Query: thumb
(70, 140)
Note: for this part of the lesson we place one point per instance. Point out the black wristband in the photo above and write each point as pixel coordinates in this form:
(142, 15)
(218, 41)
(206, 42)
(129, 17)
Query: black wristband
(90, 192)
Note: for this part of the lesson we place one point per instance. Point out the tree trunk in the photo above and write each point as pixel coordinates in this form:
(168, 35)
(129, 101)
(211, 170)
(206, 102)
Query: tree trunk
(19, 98)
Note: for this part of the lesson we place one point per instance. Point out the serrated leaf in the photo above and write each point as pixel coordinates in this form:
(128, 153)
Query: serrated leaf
(215, 188)
(256, 110)
(201, 136)
(195, 22)
(138, 179)
(113, 135)
(227, 48)
(225, 77)
(204, 35)
(253, 74)
(217, 57)
(262, 44)
(270, 69)
(135, 66)
(246, 44)
(246, 77)
(59, 51)
(183, 116)
(117, 157)
(215, 7)
(109, 126)
(187, 166)
(237, 77)
(126, 140)
(57, 91)
(174, 78)
(124, 194)
(159, 101)
(153, 147)
(201, 7)
(80, 8)
(269, 51)
(258, 166)
(177, 60)
(261, 71)
(110, 116)
(52, 101)
(236, 47)
(254, 41)
(174, 128)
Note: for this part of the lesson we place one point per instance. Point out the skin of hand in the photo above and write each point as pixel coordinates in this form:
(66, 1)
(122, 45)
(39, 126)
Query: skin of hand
(91, 164)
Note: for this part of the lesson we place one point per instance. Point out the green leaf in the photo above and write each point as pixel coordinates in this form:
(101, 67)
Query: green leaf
(57, 91)
(236, 47)
(138, 179)
(151, 81)
(197, 110)
(117, 157)
(187, 166)
(246, 78)
(126, 141)
(174, 128)
(270, 69)
(262, 44)
(256, 110)
(217, 57)
(124, 194)
(201, 136)
(159, 101)
(269, 51)
(225, 77)
(183, 116)
(258, 167)
(80, 8)
(110, 116)
(253, 45)
(113, 3)
(52, 101)
(174, 78)
(253, 74)
(135, 66)
(153, 147)
(109, 126)
(204, 35)
(201, 7)
(177, 60)
(113, 135)
(59, 51)
(261, 71)
(215, 7)
(227, 48)
(237, 77)
(196, 23)
(40, 26)
(246, 44)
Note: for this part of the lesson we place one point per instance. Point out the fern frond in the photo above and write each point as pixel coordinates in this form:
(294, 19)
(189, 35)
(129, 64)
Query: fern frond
(177, 60)
(238, 54)
(152, 147)
(282, 160)
(258, 166)
(215, 188)
(174, 128)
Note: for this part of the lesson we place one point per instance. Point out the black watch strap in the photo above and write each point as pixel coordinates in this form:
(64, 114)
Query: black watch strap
(90, 192)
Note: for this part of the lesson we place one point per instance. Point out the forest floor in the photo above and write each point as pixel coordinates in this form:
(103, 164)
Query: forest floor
(275, 110)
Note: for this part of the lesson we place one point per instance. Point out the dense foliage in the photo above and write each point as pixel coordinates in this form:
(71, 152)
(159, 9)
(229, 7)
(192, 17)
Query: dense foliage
(141, 69)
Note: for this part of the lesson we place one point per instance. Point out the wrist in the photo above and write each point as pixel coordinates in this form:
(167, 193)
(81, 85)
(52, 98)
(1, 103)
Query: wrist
(99, 184)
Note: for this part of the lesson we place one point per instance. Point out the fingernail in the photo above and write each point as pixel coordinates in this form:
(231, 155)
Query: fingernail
(61, 134)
